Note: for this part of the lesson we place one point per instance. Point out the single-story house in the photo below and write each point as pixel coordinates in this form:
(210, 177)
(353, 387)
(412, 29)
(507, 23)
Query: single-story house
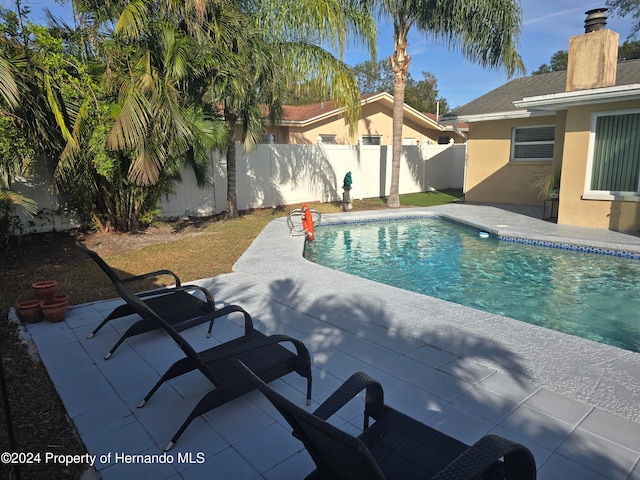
(324, 123)
(459, 130)
(577, 132)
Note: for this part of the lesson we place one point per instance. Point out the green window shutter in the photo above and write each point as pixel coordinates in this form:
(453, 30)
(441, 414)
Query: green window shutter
(616, 154)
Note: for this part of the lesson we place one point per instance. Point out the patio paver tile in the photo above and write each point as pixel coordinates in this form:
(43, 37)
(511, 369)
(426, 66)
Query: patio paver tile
(558, 406)
(598, 454)
(613, 427)
(353, 324)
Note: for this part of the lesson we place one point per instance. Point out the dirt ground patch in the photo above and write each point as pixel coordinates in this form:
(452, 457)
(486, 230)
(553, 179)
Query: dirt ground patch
(60, 246)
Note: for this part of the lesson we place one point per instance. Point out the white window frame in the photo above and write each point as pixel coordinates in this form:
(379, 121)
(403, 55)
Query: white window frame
(544, 142)
(605, 194)
(329, 138)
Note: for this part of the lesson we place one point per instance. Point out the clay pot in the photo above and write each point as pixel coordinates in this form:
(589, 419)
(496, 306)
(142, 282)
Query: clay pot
(62, 297)
(45, 290)
(55, 312)
(30, 311)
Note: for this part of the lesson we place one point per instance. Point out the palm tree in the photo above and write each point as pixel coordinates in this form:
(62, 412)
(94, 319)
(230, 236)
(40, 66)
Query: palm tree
(485, 31)
(229, 58)
(148, 120)
(27, 114)
(279, 48)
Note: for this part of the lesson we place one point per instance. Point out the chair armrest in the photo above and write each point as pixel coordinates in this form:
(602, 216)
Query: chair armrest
(157, 273)
(374, 399)
(207, 294)
(182, 288)
(518, 461)
(226, 310)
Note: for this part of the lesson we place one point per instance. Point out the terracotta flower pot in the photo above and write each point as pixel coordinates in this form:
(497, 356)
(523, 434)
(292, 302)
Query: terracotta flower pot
(61, 297)
(30, 311)
(55, 312)
(45, 290)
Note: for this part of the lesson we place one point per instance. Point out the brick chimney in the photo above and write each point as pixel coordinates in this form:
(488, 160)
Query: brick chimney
(593, 56)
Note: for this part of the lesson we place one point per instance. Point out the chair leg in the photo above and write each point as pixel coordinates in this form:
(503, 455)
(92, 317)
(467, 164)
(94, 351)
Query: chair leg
(179, 368)
(141, 326)
(207, 403)
(309, 390)
(118, 312)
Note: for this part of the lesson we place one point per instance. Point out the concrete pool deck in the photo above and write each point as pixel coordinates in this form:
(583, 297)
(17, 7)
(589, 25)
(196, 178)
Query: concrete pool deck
(573, 402)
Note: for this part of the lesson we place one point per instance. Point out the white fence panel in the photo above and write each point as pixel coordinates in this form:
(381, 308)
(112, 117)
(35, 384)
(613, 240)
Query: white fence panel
(273, 175)
(373, 174)
(39, 187)
(189, 198)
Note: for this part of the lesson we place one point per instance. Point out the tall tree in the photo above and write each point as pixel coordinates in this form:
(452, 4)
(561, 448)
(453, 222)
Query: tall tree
(376, 77)
(559, 61)
(629, 50)
(484, 31)
(423, 95)
(290, 55)
(29, 109)
(228, 56)
(150, 118)
(624, 8)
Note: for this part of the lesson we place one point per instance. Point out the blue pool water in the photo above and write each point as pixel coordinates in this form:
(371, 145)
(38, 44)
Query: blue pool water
(584, 294)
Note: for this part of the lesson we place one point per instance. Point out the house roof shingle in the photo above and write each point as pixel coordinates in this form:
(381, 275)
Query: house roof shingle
(501, 99)
(301, 113)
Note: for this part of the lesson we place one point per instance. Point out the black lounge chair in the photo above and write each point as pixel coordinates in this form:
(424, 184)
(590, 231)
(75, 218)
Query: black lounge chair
(263, 354)
(395, 446)
(176, 305)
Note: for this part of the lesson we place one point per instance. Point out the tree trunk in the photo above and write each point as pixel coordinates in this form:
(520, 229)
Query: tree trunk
(400, 63)
(232, 199)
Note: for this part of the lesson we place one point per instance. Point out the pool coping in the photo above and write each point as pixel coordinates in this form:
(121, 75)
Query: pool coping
(599, 375)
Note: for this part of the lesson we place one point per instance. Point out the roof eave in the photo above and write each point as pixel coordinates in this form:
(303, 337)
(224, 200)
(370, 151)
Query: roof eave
(561, 101)
(374, 98)
(513, 114)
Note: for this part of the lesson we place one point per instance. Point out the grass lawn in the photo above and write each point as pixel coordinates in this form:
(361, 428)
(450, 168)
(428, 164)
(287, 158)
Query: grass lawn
(203, 251)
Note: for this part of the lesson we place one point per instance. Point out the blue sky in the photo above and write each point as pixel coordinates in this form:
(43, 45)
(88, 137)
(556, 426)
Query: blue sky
(547, 27)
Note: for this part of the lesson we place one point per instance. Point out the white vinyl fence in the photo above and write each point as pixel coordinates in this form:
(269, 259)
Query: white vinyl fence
(274, 175)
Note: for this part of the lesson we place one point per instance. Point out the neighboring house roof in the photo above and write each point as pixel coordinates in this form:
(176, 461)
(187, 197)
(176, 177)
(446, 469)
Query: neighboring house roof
(310, 111)
(455, 126)
(301, 115)
(507, 101)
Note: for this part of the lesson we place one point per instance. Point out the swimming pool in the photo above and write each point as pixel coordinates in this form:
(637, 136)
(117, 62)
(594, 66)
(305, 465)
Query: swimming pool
(592, 296)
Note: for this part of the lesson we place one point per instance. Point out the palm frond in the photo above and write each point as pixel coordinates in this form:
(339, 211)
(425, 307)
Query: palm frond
(16, 199)
(9, 90)
(133, 18)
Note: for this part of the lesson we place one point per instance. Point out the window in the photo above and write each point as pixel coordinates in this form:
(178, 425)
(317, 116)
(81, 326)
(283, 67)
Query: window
(328, 139)
(533, 143)
(269, 138)
(371, 139)
(615, 153)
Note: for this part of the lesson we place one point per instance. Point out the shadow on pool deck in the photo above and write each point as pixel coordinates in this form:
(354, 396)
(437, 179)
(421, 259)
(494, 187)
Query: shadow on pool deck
(465, 372)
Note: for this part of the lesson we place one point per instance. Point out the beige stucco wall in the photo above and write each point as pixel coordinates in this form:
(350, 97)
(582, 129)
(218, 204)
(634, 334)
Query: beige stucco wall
(375, 119)
(491, 177)
(574, 210)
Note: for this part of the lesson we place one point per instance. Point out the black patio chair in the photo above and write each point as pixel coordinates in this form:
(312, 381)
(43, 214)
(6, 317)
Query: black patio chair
(265, 355)
(177, 305)
(395, 446)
